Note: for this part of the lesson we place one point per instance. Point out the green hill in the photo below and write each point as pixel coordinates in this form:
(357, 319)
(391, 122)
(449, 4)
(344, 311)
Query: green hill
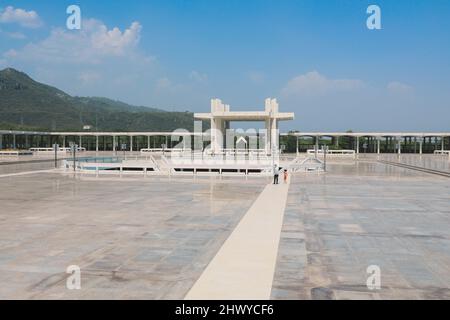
(29, 105)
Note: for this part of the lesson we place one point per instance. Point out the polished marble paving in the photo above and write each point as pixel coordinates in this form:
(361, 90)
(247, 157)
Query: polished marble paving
(339, 223)
(152, 237)
(132, 238)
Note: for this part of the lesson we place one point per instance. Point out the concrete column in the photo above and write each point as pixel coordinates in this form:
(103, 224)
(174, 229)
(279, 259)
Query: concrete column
(64, 141)
(226, 132)
(218, 125)
(274, 135)
(296, 146)
(96, 143)
(268, 136)
(415, 144)
(420, 145)
(14, 141)
(148, 142)
(131, 143)
(222, 133)
(336, 141)
(442, 143)
(378, 145)
(399, 141)
(114, 143)
(357, 145)
(81, 141)
(213, 136)
(217, 134)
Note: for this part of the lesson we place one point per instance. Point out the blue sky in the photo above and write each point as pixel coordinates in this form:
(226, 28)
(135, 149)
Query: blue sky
(316, 57)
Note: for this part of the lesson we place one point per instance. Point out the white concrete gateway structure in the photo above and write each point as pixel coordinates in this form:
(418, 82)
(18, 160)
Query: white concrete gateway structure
(221, 116)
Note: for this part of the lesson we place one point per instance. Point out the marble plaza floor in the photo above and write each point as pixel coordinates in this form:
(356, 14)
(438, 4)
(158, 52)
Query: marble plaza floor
(357, 215)
(154, 237)
(132, 238)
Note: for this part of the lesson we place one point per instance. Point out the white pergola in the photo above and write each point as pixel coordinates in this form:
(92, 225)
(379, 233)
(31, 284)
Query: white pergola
(258, 116)
(419, 136)
(221, 116)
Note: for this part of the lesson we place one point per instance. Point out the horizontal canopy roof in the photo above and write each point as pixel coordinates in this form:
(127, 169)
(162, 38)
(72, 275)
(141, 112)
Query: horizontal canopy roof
(245, 115)
(185, 133)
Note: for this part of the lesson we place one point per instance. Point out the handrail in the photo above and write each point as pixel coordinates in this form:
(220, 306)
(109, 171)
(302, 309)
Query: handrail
(337, 152)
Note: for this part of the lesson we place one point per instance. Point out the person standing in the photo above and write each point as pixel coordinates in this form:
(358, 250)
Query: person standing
(275, 174)
(285, 173)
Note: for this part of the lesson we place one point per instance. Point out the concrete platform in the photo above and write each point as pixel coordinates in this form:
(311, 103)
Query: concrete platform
(153, 238)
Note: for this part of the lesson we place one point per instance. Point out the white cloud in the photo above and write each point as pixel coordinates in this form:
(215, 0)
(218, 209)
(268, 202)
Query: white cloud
(313, 83)
(198, 77)
(90, 45)
(115, 41)
(27, 19)
(398, 87)
(13, 35)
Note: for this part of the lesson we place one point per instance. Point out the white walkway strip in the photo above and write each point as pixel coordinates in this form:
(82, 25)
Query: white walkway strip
(244, 267)
(24, 173)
